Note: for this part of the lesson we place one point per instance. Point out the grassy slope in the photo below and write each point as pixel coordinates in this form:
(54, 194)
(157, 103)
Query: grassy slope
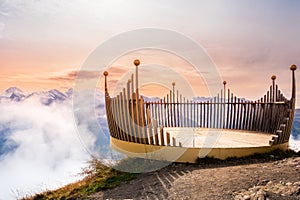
(97, 177)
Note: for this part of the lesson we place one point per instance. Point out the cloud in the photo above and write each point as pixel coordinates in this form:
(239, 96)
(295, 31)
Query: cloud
(71, 76)
(47, 152)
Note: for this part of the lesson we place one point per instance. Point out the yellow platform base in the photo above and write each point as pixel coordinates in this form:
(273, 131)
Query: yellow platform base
(186, 154)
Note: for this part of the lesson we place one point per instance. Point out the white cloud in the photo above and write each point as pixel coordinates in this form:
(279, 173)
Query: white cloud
(49, 153)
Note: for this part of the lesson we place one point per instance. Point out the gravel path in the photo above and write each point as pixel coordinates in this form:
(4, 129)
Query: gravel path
(224, 180)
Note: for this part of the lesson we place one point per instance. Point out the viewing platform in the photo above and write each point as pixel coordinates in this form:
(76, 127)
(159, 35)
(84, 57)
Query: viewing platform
(176, 129)
(219, 138)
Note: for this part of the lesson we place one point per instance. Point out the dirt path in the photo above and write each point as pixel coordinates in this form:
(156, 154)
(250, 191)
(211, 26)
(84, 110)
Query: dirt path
(225, 180)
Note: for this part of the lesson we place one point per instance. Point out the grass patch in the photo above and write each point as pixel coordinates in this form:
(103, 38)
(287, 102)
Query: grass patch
(97, 177)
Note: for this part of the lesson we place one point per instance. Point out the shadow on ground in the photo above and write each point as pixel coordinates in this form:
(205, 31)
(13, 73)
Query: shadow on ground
(157, 184)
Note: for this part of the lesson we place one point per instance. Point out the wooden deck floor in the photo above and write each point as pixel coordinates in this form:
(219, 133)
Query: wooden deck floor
(217, 138)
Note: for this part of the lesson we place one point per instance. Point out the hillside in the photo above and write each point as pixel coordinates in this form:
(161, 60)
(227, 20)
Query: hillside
(273, 176)
(275, 180)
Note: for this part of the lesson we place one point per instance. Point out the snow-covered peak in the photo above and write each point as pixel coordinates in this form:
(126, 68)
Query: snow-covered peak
(57, 94)
(201, 99)
(13, 93)
(13, 90)
(48, 97)
(150, 99)
(69, 92)
(17, 96)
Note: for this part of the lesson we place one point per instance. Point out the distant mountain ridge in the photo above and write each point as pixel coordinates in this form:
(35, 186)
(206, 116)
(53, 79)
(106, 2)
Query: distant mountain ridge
(54, 95)
(45, 97)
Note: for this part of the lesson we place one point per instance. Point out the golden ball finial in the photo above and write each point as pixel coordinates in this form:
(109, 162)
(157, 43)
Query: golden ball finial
(136, 62)
(293, 67)
(105, 73)
(173, 83)
(224, 82)
(273, 77)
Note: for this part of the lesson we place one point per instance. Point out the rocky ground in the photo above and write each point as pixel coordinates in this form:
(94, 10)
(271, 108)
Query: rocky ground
(234, 179)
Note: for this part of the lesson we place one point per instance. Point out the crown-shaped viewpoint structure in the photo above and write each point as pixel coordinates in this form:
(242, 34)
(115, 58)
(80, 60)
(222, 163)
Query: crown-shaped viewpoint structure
(176, 129)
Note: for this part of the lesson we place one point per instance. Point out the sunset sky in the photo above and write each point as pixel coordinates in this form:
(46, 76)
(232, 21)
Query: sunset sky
(44, 43)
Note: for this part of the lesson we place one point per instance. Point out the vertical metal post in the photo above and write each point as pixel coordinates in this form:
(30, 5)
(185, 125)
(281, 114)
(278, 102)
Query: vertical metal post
(224, 106)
